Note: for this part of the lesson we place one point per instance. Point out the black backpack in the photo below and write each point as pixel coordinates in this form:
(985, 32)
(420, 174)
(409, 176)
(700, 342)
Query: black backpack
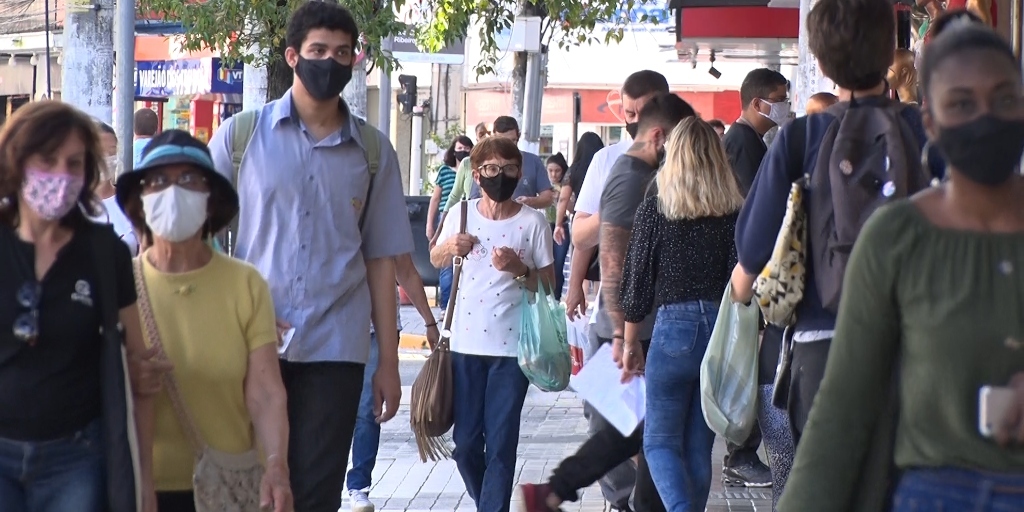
(869, 157)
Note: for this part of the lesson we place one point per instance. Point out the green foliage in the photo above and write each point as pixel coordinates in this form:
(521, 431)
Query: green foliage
(232, 27)
(565, 23)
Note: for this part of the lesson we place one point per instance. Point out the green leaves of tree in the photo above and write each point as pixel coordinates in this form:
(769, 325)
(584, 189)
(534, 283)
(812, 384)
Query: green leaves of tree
(252, 31)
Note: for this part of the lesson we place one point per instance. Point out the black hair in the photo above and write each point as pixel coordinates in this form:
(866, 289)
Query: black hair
(558, 159)
(588, 146)
(449, 155)
(760, 83)
(949, 17)
(106, 128)
(643, 83)
(313, 15)
(853, 40)
(665, 111)
(956, 39)
(504, 124)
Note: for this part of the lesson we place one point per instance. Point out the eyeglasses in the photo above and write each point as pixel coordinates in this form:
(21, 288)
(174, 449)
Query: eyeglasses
(189, 180)
(492, 170)
(26, 325)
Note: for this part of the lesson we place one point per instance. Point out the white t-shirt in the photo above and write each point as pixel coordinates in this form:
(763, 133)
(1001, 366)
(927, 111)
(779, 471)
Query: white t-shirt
(487, 307)
(589, 200)
(122, 226)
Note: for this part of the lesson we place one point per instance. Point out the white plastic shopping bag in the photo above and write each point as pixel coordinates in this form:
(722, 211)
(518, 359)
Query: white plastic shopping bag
(728, 373)
(577, 331)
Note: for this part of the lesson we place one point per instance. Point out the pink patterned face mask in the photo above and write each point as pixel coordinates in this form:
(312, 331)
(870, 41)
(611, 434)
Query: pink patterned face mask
(51, 196)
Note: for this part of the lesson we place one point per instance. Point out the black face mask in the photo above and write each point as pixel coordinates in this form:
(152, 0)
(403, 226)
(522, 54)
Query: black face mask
(631, 129)
(986, 151)
(461, 155)
(499, 188)
(323, 78)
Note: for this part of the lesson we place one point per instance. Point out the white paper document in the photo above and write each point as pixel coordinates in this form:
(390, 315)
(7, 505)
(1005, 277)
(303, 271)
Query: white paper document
(600, 384)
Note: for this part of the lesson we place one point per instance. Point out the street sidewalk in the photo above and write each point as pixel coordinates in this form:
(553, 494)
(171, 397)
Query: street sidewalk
(552, 428)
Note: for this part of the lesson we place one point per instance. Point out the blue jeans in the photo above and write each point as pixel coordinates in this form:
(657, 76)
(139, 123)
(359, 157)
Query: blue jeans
(958, 490)
(366, 436)
(444, 278)
(62, 475)
(561, 251)
(677, 441)
(488, 396)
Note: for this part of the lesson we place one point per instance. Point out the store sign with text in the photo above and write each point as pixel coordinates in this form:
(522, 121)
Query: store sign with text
(186, 77)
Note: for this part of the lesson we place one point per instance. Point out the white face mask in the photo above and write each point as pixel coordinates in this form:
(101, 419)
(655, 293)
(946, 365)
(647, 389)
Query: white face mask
(779, 112)
(175, 213)
(111, 163)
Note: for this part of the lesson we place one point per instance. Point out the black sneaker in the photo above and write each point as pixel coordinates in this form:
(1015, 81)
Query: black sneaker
(753, 474)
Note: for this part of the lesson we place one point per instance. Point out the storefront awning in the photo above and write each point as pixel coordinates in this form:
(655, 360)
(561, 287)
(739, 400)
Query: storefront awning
(738, 34)
(187, 77)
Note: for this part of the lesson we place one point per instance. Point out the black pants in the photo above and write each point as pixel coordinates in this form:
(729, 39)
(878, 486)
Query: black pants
(323, 401)
(808, 371)
(175, 501)
(606, 449)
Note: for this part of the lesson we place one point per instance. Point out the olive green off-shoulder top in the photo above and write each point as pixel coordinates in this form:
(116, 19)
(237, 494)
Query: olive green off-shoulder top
(948, 307)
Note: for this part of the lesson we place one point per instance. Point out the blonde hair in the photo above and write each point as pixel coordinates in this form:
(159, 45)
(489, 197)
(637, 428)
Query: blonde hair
(696, 180)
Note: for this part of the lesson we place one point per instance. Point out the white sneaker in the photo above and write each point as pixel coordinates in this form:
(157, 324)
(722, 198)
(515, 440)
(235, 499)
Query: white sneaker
(359, 500)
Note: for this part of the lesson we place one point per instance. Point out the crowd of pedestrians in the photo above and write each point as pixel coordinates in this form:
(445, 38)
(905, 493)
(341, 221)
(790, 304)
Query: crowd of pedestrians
(145, 365)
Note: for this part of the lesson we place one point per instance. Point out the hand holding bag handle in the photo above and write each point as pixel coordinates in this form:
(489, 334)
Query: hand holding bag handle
(222, 482)
(431, 413)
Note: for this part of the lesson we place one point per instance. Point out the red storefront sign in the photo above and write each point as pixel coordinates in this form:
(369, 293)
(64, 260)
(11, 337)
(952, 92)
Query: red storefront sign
(599, 106)
(738, 22)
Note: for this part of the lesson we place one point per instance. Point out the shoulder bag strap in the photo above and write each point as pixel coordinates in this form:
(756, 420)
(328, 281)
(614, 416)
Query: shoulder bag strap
(456, 275)
(170, 383)
(371, 151)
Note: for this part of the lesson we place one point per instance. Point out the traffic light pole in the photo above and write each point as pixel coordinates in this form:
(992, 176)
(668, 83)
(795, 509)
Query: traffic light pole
(416, 158)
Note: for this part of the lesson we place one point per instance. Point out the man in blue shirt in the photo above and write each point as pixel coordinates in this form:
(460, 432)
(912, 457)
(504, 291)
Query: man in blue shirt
(534, 189)
(146, 124)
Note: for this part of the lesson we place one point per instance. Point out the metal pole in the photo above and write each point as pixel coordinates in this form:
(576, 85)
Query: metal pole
(1016, 28)
(125, 89)
(416, 157)
(49, 84)
(384, 101)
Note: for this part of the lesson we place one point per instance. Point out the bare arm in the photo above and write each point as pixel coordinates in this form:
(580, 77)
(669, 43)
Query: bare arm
(742, 285)
(410, 281)
(266, 401)
(440, 255)
(614, 243)
(435, 202)
(564, 195)
(543, 200)
(380, 275)
(144, 420)
(586, 231)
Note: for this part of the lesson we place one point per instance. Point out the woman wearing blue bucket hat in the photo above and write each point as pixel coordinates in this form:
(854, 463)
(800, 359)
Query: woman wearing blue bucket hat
(212, 317)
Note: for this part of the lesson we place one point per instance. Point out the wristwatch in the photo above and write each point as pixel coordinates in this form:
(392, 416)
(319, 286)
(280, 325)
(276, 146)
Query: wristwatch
(522, 279)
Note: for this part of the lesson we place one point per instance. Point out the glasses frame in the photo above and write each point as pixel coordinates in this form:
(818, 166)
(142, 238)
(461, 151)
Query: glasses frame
(499, 169)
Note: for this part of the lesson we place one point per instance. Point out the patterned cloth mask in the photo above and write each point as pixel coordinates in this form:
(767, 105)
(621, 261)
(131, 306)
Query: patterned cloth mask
(51, 196)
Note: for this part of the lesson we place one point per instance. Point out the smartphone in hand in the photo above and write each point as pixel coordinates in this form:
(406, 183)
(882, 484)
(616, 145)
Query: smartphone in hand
(993, 404)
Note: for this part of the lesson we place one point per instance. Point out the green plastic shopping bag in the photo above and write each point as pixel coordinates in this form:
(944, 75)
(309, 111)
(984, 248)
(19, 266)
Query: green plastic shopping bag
(728, 373)
(543, 343)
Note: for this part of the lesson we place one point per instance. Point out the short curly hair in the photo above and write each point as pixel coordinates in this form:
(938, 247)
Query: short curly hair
(495, 147)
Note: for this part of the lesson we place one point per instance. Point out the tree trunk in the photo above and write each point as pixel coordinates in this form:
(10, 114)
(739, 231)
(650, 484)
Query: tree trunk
(519, 67)
(355, 91)
(519, 86)
(279, 76)
(87, 76)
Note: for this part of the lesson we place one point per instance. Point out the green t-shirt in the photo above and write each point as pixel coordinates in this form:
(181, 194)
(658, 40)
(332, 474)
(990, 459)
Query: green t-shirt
(946, 306)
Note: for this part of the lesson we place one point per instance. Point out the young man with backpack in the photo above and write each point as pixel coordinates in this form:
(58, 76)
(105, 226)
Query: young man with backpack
(859, 154)
(319, 189)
